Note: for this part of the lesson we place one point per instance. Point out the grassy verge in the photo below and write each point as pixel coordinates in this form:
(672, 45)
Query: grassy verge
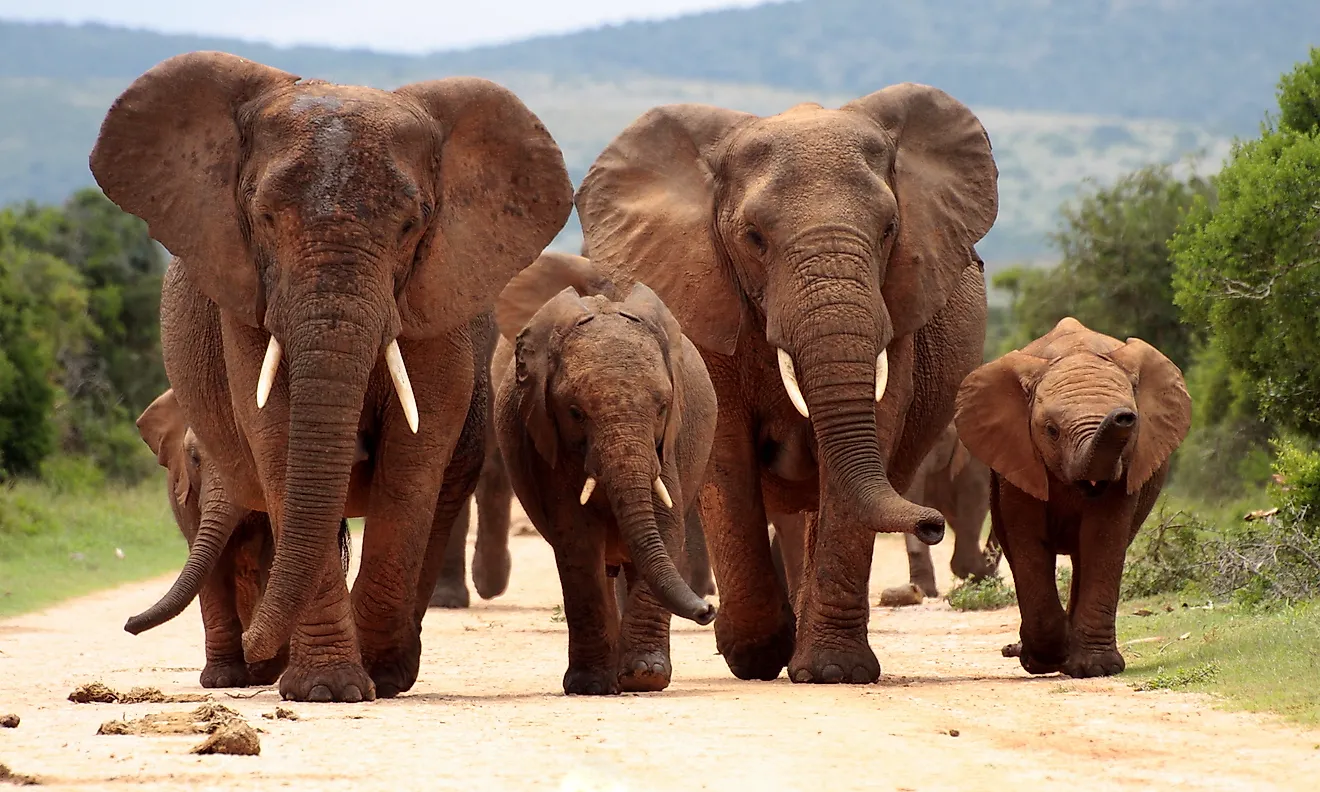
(59, 544)
(1256, 659)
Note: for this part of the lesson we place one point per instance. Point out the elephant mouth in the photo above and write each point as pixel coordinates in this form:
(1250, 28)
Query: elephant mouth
(1092, 489)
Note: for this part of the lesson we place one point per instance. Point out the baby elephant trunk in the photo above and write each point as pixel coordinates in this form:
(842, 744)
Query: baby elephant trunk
(1104, 460)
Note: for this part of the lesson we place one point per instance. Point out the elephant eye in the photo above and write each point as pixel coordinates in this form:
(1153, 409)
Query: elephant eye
(1052, 431)
(756, 240)
(576, 413)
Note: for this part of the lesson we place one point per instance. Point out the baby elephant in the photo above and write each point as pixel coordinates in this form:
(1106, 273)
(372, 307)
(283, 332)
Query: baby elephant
(229, 557)
(1077, 428)
(605, 420)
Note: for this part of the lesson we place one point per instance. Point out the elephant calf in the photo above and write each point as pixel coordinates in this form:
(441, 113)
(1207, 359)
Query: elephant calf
(1077, 428)
(232, 555)
(606, 419)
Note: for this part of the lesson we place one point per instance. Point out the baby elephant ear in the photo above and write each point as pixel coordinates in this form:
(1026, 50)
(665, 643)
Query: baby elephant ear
(536, 350)
(163, 428)
(1164, 409)
(994, 420)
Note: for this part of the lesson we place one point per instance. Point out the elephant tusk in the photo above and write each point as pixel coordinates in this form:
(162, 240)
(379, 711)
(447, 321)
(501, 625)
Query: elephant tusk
(663, 493)
(881, 374)
(587, 489)
(789, 377)
(269, 366)
(399, 373)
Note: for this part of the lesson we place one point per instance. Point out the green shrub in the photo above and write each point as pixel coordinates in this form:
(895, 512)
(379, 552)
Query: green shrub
(1164, 557)
(1063, 583)
(984, 594)
(72, 475)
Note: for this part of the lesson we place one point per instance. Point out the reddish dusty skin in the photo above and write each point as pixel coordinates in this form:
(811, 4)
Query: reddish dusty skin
(488, 712)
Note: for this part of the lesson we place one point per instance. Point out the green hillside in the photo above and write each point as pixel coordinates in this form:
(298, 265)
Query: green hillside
(1067, 90)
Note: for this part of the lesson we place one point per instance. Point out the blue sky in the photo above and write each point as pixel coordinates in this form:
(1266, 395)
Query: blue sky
(389, 25)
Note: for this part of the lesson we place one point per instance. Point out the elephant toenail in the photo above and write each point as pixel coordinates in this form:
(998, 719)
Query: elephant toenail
(352, 694)
(639, 667)
(831, 673)
(320, 693)
(860, 675)
(802, 675)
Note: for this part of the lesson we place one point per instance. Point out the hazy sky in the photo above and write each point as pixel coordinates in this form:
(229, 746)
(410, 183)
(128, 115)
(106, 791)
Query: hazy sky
(390, 25)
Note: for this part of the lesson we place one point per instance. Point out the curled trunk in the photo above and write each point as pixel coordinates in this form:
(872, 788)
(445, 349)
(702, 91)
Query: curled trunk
(329, 361)
(217, 524)
(1103, 460)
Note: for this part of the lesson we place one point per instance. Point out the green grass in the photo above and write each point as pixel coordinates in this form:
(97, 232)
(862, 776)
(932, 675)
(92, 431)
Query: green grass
(56, 544)
(1256, 659)
(989, 593)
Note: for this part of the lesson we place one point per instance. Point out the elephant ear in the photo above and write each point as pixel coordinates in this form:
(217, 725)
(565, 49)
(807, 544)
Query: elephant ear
(646, 303)
(169, 152)
(536, 349)
(503, 194)
(163, 427)
(647, 207)
(550, 274)
(947, 187)
(1164, 408)
(993, 416)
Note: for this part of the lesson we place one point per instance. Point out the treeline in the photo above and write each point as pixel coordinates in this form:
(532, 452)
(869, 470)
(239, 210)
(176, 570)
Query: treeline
(79, 339)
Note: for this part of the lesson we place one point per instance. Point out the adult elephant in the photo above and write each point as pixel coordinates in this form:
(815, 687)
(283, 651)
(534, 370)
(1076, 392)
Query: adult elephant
(323, 235)
(823, 261)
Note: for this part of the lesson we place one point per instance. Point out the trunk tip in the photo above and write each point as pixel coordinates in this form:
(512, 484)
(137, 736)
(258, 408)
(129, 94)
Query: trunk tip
(930, 529)
(704, 615)
(136, 625)
(256, 647)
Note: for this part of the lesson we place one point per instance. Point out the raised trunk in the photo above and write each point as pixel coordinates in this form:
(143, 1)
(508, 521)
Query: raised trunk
(836, 358)
(329, 361)
(630, 488)
(216, 526)
(1102, 460)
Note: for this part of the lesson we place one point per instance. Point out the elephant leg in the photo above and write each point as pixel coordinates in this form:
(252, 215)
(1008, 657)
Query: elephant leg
(921, 569)
(699, 576)
(755, 626)
(325, 663)
(1020, 523)
(644, 660)
(972, 559)
(254, 547)
(790, 539)
(492, 562)
(451, 589)
(225, 667)
(592, 616)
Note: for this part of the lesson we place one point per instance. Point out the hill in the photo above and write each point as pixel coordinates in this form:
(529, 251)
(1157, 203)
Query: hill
(1066, 93)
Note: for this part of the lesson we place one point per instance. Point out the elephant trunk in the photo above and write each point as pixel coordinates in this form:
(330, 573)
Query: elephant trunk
(633, 495)
(219, 517)
(1102, 458)
(330, 358)
(842, 373)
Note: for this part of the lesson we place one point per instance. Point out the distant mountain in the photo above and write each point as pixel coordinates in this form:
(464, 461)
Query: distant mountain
(1068, 90)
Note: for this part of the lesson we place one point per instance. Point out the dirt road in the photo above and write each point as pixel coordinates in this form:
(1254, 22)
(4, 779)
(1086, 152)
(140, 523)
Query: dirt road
(489, 713)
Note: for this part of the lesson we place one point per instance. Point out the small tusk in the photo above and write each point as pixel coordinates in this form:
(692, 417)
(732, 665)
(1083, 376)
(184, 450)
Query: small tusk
(399, 373)
(269, 366)
(587, 489)
(789, 377)
(881, 374)
(663, 493)
(1092, 483)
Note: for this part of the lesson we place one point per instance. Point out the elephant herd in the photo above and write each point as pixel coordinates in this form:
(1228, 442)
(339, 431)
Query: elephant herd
(775, 320)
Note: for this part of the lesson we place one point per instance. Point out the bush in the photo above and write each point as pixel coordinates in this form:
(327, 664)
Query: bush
(1164, 558)
(984, 594)
(72, 475)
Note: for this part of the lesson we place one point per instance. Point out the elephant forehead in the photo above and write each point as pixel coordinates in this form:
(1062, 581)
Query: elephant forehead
(613, 353)
(811, 134)
(1084, 382)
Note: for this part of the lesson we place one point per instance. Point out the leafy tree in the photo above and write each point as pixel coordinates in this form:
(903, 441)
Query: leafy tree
(1248, 269)
(1115, 273)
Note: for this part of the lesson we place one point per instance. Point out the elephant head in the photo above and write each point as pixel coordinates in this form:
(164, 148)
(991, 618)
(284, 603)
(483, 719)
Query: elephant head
(599, 390)
(829, 232)
(1075, 408)
(337, 219)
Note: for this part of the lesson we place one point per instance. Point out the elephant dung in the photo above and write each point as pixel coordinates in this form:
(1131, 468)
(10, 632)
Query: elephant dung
(9, 721)
(8, 776)
(228, 732)
(100, 693)
(898, 596)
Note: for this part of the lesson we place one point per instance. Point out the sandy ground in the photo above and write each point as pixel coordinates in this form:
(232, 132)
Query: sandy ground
(488, 713)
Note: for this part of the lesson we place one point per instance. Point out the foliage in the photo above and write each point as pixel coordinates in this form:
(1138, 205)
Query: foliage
(1164, 557)
(1248, 269)
(79, 334)
(1115, 272)
(988, 593)
(1257, 659)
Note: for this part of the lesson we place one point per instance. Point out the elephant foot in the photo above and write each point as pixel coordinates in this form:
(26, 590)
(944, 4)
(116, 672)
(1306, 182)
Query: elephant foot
(226, 675)
(644, 672)
(267, 672)
(342, 682)
(1036, 660)
(590, 682)
(394, 669)
(1082, 665)
(759, 658)
(853, 664)
(449, 594)
(927, 585)
(490, 574)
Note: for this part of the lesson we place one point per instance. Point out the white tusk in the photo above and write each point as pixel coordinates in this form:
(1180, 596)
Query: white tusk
(399, 373)
(881, 374)
(269, 366)
(789, 377)
(663, 493)
(1092, 483)
(587, 489)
